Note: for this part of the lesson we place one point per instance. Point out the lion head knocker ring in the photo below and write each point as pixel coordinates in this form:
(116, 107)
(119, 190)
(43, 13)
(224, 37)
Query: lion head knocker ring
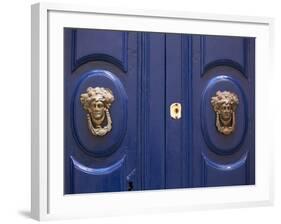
(225, 104)
(96, 102)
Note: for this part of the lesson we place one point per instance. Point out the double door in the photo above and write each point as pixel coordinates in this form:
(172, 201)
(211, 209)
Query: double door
(146, 111)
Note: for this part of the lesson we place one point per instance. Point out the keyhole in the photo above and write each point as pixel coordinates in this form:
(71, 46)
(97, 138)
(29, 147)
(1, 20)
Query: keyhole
(175, 110)
(130, 186)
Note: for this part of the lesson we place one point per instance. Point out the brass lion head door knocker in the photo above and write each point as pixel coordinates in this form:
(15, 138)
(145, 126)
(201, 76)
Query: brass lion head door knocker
(96, 102)
(225, 104)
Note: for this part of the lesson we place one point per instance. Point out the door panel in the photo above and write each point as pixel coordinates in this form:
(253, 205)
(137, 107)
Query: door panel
(85, 179)
(96, 161)
(177, 130)
(91, 45)
(223, 64)
(152, 113)
(100, 146)
(223, 50)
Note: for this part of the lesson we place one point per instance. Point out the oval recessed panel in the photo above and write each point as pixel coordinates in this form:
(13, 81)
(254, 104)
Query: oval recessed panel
(216, 141)
(109, 143)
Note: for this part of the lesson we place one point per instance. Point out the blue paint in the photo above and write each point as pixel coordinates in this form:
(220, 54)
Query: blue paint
(146, 148)
(215, 174)
(87, 180)
(92, 144)
(225, 167)
(226, 145)
(97, 171)
(86, 51)
(221, 50)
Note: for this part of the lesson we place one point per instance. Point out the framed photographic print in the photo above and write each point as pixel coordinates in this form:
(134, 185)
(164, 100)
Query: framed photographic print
(164, 108)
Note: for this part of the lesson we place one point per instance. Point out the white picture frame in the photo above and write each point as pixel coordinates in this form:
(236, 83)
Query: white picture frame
(48, 201)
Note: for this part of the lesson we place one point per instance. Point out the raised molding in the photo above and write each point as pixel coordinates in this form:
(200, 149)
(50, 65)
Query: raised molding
(205, 102)
(121, 64)
(75, 165)
(118, 135)
(187, 97)
(97, 171)
(204, 67)
(206, 162)
(143, 116)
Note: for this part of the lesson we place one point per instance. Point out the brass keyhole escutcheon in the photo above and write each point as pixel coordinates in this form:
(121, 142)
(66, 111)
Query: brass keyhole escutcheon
(175, 110)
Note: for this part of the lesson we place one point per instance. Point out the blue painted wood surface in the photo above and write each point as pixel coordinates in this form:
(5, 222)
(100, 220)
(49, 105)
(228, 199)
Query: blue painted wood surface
(146, 148)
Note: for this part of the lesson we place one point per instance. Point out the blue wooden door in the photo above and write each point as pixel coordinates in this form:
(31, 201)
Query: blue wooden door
(101, 67)
(119, 132)
(205, 74)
